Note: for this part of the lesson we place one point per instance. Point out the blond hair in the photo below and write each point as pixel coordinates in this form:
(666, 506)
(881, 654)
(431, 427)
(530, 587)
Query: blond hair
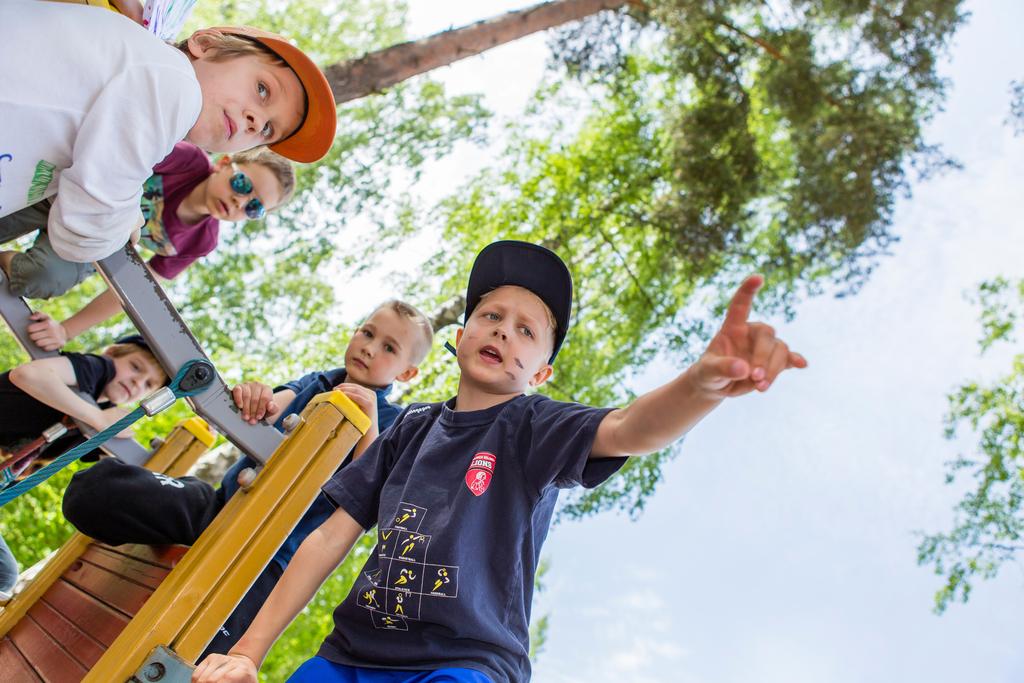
(127, 349)
(227, 46)
(425, 336)
(282, 169)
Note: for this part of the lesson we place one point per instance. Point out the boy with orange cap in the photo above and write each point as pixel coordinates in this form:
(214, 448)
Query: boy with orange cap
(87, 119)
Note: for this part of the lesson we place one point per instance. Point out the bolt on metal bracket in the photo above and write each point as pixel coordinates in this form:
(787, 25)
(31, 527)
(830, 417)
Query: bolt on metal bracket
(163, 665)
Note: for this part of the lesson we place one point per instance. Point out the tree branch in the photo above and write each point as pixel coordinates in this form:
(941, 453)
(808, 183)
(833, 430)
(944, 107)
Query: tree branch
(378, 70)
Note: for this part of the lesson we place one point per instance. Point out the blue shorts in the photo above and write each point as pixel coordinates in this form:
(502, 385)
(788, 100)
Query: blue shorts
(320, 670)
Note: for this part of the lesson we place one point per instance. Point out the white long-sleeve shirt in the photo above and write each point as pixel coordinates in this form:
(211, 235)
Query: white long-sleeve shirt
(90, 102)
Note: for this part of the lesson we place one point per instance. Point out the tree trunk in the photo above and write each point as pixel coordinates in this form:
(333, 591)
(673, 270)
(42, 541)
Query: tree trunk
(378, 70)
(448, 313)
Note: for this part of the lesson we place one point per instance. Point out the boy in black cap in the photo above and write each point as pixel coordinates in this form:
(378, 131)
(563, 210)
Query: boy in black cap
(462, 492)
(38, 394)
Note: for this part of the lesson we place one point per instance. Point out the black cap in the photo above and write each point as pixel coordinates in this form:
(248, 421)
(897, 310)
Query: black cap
(136, 339)
(529, 266)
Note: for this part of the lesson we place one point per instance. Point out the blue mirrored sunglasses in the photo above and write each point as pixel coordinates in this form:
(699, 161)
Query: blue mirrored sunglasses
(241, 185)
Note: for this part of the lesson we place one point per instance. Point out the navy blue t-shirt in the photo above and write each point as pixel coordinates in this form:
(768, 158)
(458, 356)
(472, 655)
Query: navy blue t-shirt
(23, 417)
(305, 388)
(462, 502)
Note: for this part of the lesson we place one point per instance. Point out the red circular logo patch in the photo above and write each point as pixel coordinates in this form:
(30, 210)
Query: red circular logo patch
(480, 473)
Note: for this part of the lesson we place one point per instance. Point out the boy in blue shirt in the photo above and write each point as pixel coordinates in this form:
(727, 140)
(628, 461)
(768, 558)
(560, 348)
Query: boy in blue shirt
(462, 492)
(159, 510)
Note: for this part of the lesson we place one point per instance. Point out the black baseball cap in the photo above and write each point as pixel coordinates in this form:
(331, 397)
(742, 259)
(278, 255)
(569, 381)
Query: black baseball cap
(526, 265)
(136, 339)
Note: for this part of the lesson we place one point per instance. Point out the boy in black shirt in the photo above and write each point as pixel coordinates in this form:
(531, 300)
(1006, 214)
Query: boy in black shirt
(38, 394)
(462, 492)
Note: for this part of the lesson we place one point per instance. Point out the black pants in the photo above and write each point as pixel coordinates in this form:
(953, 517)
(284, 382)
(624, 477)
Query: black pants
(117, 503)
(38, 272)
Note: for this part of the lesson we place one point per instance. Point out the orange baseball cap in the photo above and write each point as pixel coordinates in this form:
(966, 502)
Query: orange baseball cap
(315, 135)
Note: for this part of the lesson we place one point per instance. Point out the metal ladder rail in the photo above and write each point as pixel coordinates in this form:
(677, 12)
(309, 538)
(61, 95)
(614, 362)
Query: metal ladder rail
(16, 312)
(170, 339)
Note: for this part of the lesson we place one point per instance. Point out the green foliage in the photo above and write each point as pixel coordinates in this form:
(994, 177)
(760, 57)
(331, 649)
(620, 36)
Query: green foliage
(728, 138)
(793, 130)
(328, 32)
(989, 520)
(33, 525)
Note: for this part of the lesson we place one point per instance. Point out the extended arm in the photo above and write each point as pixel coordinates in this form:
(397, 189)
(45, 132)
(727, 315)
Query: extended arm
(50, 335)
(318, 556)
(49, 381)
(741, 358)
(654, 420)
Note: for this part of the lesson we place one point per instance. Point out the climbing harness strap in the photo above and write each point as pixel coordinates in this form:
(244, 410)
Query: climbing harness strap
(193, 378)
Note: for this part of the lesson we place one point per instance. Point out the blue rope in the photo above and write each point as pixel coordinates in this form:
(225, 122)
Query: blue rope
(60, 462)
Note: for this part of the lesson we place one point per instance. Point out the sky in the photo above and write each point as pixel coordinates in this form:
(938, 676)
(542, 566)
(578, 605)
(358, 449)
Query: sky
(781, 544)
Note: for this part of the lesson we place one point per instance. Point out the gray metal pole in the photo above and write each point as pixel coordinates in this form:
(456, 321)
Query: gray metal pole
(172, 342)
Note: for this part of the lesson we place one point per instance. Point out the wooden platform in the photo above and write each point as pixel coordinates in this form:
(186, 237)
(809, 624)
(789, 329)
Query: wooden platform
(96, 613)
(66, 632)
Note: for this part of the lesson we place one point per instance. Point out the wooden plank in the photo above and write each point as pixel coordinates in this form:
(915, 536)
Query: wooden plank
(47, 657)
(13, 664)
(70, 636)
(51, 573)
(160, 555)
(114, 590)
(144, 573)
(103, 623)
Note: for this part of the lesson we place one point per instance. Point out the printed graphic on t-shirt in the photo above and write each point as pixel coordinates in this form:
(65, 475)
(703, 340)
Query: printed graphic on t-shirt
(41, 179)
(395, 591)
(154, 236)
(480, 472)
(409, 517)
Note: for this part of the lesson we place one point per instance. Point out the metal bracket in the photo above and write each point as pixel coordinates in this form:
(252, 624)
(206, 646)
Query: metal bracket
(163, 665)
(158, 401)
(199, 376)
(174, 345)
(54, 432)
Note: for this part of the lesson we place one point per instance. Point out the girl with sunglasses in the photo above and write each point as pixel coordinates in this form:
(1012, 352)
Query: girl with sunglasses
(183, 202)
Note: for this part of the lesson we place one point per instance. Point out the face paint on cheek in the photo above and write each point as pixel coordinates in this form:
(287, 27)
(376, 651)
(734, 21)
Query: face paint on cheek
(519, 363)
(510, 375)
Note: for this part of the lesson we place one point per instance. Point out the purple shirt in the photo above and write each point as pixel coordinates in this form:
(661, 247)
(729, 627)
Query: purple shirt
(176, 244)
